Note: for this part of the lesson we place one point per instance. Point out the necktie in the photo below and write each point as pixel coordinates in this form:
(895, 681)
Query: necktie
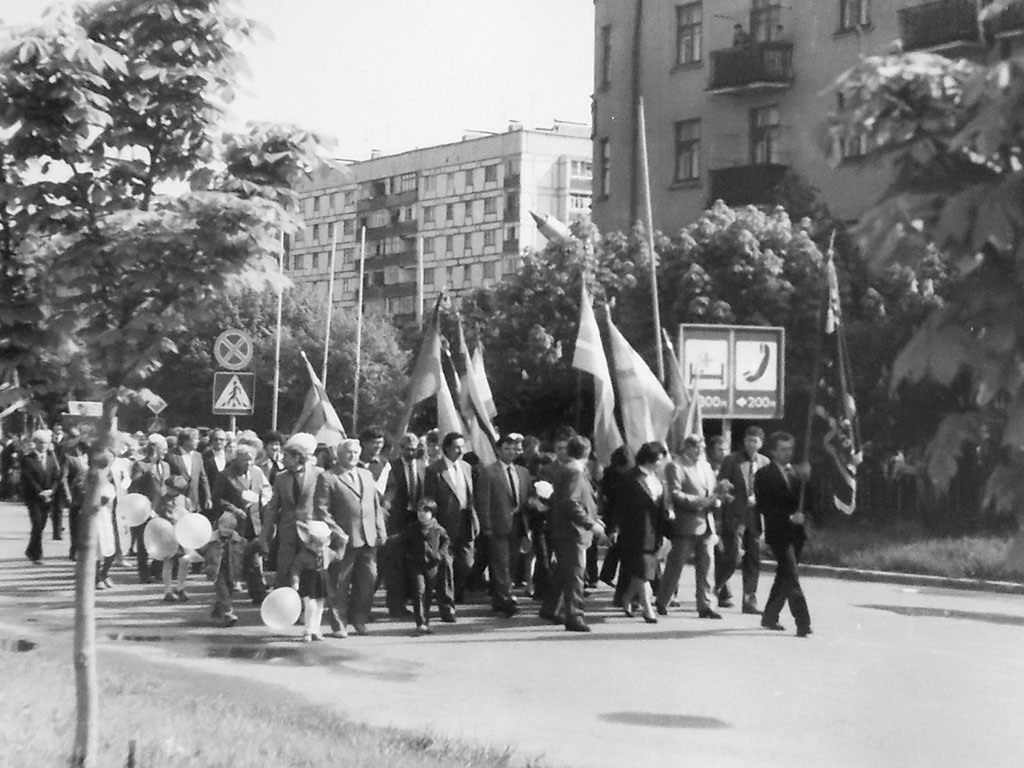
(410, 484)
(296, 485)
(512, 485)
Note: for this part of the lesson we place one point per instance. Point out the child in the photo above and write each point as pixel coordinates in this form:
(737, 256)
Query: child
(176, 505)
(424, 546)
(224, 559)
(309, 574)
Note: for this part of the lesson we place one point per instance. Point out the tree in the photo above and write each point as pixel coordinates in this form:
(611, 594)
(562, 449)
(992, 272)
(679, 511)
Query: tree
(951, 131)
(103, 106)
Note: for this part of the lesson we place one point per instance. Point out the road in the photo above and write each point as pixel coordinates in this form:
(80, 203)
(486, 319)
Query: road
(893, 676)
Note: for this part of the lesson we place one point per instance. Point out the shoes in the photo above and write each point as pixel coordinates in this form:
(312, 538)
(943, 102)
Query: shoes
(651, 619)
(509, 610)
(804, 632)
(423, 629)
(673, 603)
(72, 557)
(773, 625)
(170, 597)
(318, 636)
(182, 595)
(230, 620)
(108, 584)
(577, 626)
(551, 618)
(339, 634)
(100, 586)
(726, 603)
(307, 638)
(448, 618)
(628, 611)
(707, 613)
(361, 629)
(662, 610)
(753, 610)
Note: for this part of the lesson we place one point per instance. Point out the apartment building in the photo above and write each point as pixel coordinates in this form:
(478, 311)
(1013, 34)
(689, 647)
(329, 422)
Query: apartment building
(737, 93)
(467, 204)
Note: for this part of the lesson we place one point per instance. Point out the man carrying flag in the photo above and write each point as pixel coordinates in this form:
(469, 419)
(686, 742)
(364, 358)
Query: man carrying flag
(318, 417)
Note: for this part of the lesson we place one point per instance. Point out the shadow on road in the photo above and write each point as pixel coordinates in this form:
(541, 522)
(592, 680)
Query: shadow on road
(945, 613)
(661, 720)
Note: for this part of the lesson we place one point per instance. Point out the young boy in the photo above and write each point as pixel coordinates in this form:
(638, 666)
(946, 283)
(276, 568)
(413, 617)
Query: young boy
(424, 545)
(224, 558)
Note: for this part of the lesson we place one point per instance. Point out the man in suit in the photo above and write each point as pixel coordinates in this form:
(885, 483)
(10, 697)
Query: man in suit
(371, 445)
(501, 494)
(777, 488)
(348, 497)
(40, 481)
(574, 524)
(692, 499)
(401, 498)
(291, 501)
(186, 461)
(448, 482)
(740, 531)
(149, 477)
(272, 461)
(215, 458)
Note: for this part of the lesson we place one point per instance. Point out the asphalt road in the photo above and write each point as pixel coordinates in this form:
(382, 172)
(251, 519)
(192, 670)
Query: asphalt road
(893, 676)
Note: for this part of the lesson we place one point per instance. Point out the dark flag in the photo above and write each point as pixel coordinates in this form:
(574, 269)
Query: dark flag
(834, 403)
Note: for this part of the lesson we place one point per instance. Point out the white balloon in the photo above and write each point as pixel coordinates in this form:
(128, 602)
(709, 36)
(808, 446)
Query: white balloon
(135, 509)
(281, 608)
(544, 489)
(250, 497)
(193, 531)
(159, 539)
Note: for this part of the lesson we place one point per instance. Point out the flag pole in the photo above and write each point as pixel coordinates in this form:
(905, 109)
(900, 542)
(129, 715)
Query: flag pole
(330, 302)
(419, 281)
(277, 336)
(649, 226)
(812, 402)
(359, 331)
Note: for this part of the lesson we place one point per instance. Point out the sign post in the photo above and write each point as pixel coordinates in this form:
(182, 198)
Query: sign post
(233, 390)
(740, 370)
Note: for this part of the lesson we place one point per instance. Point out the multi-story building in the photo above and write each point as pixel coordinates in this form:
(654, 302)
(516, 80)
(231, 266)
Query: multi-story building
(737, 94)
(467, 204)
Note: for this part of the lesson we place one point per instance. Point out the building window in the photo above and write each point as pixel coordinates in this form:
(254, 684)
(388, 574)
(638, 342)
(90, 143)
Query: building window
(449, 243)
(490, 173)
(853, 14)
(349, 226)
(687, 150)
(606, 56)
(488, 270)
(428, 244)
(299, 261)
(850, 147)
(349, 197)
(330, 230)
(579, 201)
(316, 232)
(469, 178)
(314, 261)
(581, 169)
(766, 20)
(449, 212)
(469, 210)
(605, 165)
(428, 184)
(467, 244)
(449, 274)
(428, 276)
(765, 133)
(428, 214)
(512, 233)
(490, 206)
(334, 199)
(316, 203)
(299, 235)
(689, 33)
(407, 182)
(348, 255)
(489, 238)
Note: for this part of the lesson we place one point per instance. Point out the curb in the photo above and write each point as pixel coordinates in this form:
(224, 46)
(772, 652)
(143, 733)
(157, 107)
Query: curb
(908, 579)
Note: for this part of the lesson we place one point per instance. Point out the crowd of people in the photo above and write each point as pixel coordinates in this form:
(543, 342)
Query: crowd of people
(434, 524)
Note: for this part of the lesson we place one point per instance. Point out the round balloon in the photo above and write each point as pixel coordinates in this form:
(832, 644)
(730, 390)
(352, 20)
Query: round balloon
(544, 489)
(193, 531)
(135, 509)
(250, 497)
(281, 608)
(159, 539)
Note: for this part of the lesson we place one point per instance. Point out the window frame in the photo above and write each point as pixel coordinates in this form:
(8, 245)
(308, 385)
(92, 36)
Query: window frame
(606, 57)
(850, 21)
(690, 147)
(695, 32)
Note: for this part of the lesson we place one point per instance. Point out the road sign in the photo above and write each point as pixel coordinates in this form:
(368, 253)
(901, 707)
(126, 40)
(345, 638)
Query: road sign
(233, 349)
(153, 401)
(233, 393)
(93, 408)
(740, 369)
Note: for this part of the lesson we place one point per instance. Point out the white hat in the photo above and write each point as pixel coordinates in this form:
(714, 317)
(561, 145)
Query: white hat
(42, 436)
(302, 441)
(313, 533)
(157, 439)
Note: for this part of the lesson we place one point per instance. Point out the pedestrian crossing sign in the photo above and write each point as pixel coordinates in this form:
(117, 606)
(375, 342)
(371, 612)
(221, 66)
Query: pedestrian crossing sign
(233, 393)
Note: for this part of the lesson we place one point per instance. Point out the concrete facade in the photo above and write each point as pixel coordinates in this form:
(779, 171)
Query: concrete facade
(749, 111)
(468, 201)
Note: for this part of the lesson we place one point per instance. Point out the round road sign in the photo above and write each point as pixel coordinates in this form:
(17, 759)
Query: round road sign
(233, 349)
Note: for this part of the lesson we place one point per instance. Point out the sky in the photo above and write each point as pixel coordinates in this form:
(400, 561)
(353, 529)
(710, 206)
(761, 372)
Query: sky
(393, 75)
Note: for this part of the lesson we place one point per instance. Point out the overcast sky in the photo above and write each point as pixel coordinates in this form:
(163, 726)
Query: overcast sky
(398, 74)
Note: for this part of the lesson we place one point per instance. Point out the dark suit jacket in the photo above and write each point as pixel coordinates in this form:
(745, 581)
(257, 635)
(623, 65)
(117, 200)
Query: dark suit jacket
(38, 474)
(639, 517)
(227, 497)
(198, 484)
(739, 511)
(462, 524)
(777, 500)
(283, 511)
(148, 478)
(211, 467)
(353, 504)
(494, 498)
(573, 506)
(399, 501)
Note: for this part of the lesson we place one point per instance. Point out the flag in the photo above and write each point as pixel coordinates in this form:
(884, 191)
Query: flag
(428, 379)
(589, 357)
(834, 403)
(694, 423)
(318, 416)
(680, 427)
(646, 410)
(480, 432)
(490, 409)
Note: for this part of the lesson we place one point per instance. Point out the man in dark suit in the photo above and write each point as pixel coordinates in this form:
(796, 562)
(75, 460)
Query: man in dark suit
(574, 523)
(348, 498)
(149, 476)
(401, 498)
(777, 488)
(187, 462)
(40, 480)
(501, 494)
(740, 529)
(215, 457)
(291, 501)
(448, 482)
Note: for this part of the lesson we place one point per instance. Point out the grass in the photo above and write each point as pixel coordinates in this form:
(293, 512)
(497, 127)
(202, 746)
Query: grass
(907, 549)
(171, 719)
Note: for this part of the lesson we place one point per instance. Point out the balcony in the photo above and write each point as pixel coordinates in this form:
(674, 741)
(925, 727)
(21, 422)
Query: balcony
(746, 184)
(378, 292)
(949, 27)
(391, 229)
(511, 181)
(512, 214)
(753, 68)
(511, 246)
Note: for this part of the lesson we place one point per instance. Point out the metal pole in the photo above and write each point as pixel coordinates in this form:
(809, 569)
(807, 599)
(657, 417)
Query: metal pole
(277, 337)
(359, 331)
(233, 424)
(649, 225)
(330, 303)
(419, 281)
